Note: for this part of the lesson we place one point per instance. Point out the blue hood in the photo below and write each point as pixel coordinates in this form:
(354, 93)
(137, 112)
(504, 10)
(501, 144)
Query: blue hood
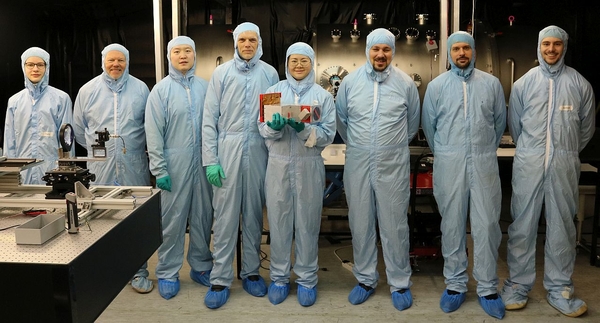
(240, 63)
(461, 37)
(115, 85)
(379, 36)
(36, 90)
(300, 87)
(173, 72)
(552, 31)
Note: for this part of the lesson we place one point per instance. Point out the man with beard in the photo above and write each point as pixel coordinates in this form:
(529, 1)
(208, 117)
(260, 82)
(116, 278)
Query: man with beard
(551, 119)
(464, 117)
(378, 114)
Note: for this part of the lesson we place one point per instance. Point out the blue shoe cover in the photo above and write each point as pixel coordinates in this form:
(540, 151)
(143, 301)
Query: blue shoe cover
(565, 303)
(359, 294)
(278, 293)
(402, 299)
(450, 303)
(493, 307)
(307, 296)
(142, 284)
(201, 277)
(216, 299)
(256, 288)
(167, 288)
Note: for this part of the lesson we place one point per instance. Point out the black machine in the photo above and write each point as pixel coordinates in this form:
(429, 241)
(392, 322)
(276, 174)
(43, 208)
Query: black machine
(63, 178)
(425, 234)
(99, 150)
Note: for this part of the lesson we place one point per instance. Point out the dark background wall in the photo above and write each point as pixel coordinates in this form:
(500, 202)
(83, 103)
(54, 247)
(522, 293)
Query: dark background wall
(75, 31)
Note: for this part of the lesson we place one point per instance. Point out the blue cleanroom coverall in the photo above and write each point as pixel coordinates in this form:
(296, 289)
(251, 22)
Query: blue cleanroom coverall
(230, 138)
(378, 114)
(118, 106)
(173, 122)
(33, 120)
(296, 177)
(551, 119)
(464, 117)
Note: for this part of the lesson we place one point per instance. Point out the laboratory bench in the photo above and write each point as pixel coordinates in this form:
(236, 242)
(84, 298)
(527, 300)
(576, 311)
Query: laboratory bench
(74, 277)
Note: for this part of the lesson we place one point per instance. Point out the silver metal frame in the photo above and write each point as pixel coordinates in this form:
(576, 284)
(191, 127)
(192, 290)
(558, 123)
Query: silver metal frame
(175, 17)
(101, 198)
(159, 57)
(90, 203)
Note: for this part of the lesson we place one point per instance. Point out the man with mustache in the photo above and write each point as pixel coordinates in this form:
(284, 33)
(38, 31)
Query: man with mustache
(551, 119)
(464, 117)
(378, 114)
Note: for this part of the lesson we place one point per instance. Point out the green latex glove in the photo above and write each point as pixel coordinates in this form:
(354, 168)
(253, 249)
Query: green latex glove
(277, 123)
(214, 173)
(298, 126)
(164, 183)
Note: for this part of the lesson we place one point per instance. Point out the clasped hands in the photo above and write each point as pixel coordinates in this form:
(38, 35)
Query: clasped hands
(278, 122)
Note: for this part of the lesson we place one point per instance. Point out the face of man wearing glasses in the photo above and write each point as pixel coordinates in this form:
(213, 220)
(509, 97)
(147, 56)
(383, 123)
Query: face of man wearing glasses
(299, 66)
(35, 68)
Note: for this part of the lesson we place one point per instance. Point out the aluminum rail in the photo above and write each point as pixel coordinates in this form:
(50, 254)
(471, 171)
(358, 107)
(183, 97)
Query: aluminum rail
(104, 197)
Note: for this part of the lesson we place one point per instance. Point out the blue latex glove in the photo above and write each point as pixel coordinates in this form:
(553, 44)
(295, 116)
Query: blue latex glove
(164, 183)
(277, 123)
(298, 126)
(214, 173)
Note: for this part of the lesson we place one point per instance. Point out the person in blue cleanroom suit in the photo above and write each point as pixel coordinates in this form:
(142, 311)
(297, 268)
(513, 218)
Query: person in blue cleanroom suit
(116, 101)
(34, 117)
(551, 119)
(378, 114)
(173, 121)
(296, 177)
(464, 117)
(235, 157)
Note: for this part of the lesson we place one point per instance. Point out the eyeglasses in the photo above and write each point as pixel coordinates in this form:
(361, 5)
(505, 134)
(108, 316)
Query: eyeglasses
(39, 65)
(303, 62)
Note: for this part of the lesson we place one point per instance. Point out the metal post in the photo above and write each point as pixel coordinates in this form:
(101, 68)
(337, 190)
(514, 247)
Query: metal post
(473, 20)
(456, 16)
(444, 24)
(443, 35)
(158, 40)
(175, 18)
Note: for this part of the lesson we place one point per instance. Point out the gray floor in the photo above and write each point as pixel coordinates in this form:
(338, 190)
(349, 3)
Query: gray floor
(335, 282)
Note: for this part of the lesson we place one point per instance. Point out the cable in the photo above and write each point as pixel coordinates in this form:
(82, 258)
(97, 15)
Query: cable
(12, 226)
(264, 257)
(345, 263)
(338, 256)
(124, 148)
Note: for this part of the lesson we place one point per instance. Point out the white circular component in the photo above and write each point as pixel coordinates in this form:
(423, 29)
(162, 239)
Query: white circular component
(412, 33)
(66, 137)
(396, 32)
(331, 78)
(417, 79)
